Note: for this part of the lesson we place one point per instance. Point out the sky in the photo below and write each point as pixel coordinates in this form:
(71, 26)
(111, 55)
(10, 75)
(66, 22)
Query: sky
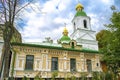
(47, 18)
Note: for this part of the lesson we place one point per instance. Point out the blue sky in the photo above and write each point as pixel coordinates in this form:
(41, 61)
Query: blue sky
(47, 17)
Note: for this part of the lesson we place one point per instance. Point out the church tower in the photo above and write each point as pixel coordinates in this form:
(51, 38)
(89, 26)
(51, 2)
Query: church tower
(82, 31)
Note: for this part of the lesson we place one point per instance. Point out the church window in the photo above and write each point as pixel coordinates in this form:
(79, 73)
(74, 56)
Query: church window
(74, 24)
(97, 64)
(54, 65)
(72, 64)
(89, 65)
(73, 45)
(85, 23)
(29, 62)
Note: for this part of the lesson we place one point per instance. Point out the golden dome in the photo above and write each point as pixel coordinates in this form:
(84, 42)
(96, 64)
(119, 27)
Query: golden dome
(65, 31)
(79, 6)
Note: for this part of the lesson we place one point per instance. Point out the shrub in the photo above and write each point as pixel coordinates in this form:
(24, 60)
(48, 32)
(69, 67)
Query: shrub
(83, 76)
(108, 76)
(73, 78)
(36, 78)
(54, 75)
(25, 78)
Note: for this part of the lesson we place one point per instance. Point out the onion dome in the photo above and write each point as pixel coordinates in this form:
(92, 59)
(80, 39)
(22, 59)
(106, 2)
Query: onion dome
(79, 8)
(65, 38)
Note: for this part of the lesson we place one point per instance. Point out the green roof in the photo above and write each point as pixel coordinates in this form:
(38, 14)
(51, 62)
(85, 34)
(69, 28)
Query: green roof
(80, 13)
(54, 47)
(65, 38)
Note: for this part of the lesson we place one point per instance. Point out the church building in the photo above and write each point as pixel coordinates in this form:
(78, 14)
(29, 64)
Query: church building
(71, 56)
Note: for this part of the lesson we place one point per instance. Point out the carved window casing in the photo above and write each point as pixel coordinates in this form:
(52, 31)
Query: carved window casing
(54, 65)
(29, 62)
(72, 64)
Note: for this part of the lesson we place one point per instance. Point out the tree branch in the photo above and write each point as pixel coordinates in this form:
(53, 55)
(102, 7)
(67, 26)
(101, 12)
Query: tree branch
(4, 9)
(10, 11)
(14, 9)
(23, 7)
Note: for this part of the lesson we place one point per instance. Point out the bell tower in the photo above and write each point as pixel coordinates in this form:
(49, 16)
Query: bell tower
(82, 32)
(81, 20)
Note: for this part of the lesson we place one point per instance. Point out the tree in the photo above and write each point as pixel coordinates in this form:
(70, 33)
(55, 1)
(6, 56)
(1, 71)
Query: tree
(9, 9)
(112, 50)
(102, 38)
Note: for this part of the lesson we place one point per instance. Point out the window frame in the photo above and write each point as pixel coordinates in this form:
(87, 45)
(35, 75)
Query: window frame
(89, 65)
(85, 23)
(28, 61)
(72, 45)
(54, 64)
(72, 64)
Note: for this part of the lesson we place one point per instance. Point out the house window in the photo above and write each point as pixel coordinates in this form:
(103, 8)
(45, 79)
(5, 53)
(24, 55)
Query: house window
(89, 65)
(72, 64)
(54, 63)
(72, 45)
(29, 62)
(85, 23)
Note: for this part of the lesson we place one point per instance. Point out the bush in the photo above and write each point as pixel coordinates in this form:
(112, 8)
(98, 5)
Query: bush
(25, 78)
(54, 75)
(95, 76)
(108, 76)
(83, 76)
(10, 78)
(36, 78)
(73, 78)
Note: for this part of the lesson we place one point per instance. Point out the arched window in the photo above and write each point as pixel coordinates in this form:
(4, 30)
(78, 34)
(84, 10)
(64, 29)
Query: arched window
(85, 23)
(72, 45)
(74, 24)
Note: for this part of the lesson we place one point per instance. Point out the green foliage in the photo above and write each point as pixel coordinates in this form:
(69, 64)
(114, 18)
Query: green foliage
(37, 78)
(95, 76)
(67, 77)
(102, 38)
(28, 78)
(54, 74)
(110, 41)
(10, 78)
(98, 76)
(25, 78)
(102, 75)
(73, 78)
(108, 76)
(83, 76)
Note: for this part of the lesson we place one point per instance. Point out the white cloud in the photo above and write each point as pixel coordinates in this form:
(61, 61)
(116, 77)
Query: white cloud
(60, 20)
(36, 23)
(51, 24)
(108, 2)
